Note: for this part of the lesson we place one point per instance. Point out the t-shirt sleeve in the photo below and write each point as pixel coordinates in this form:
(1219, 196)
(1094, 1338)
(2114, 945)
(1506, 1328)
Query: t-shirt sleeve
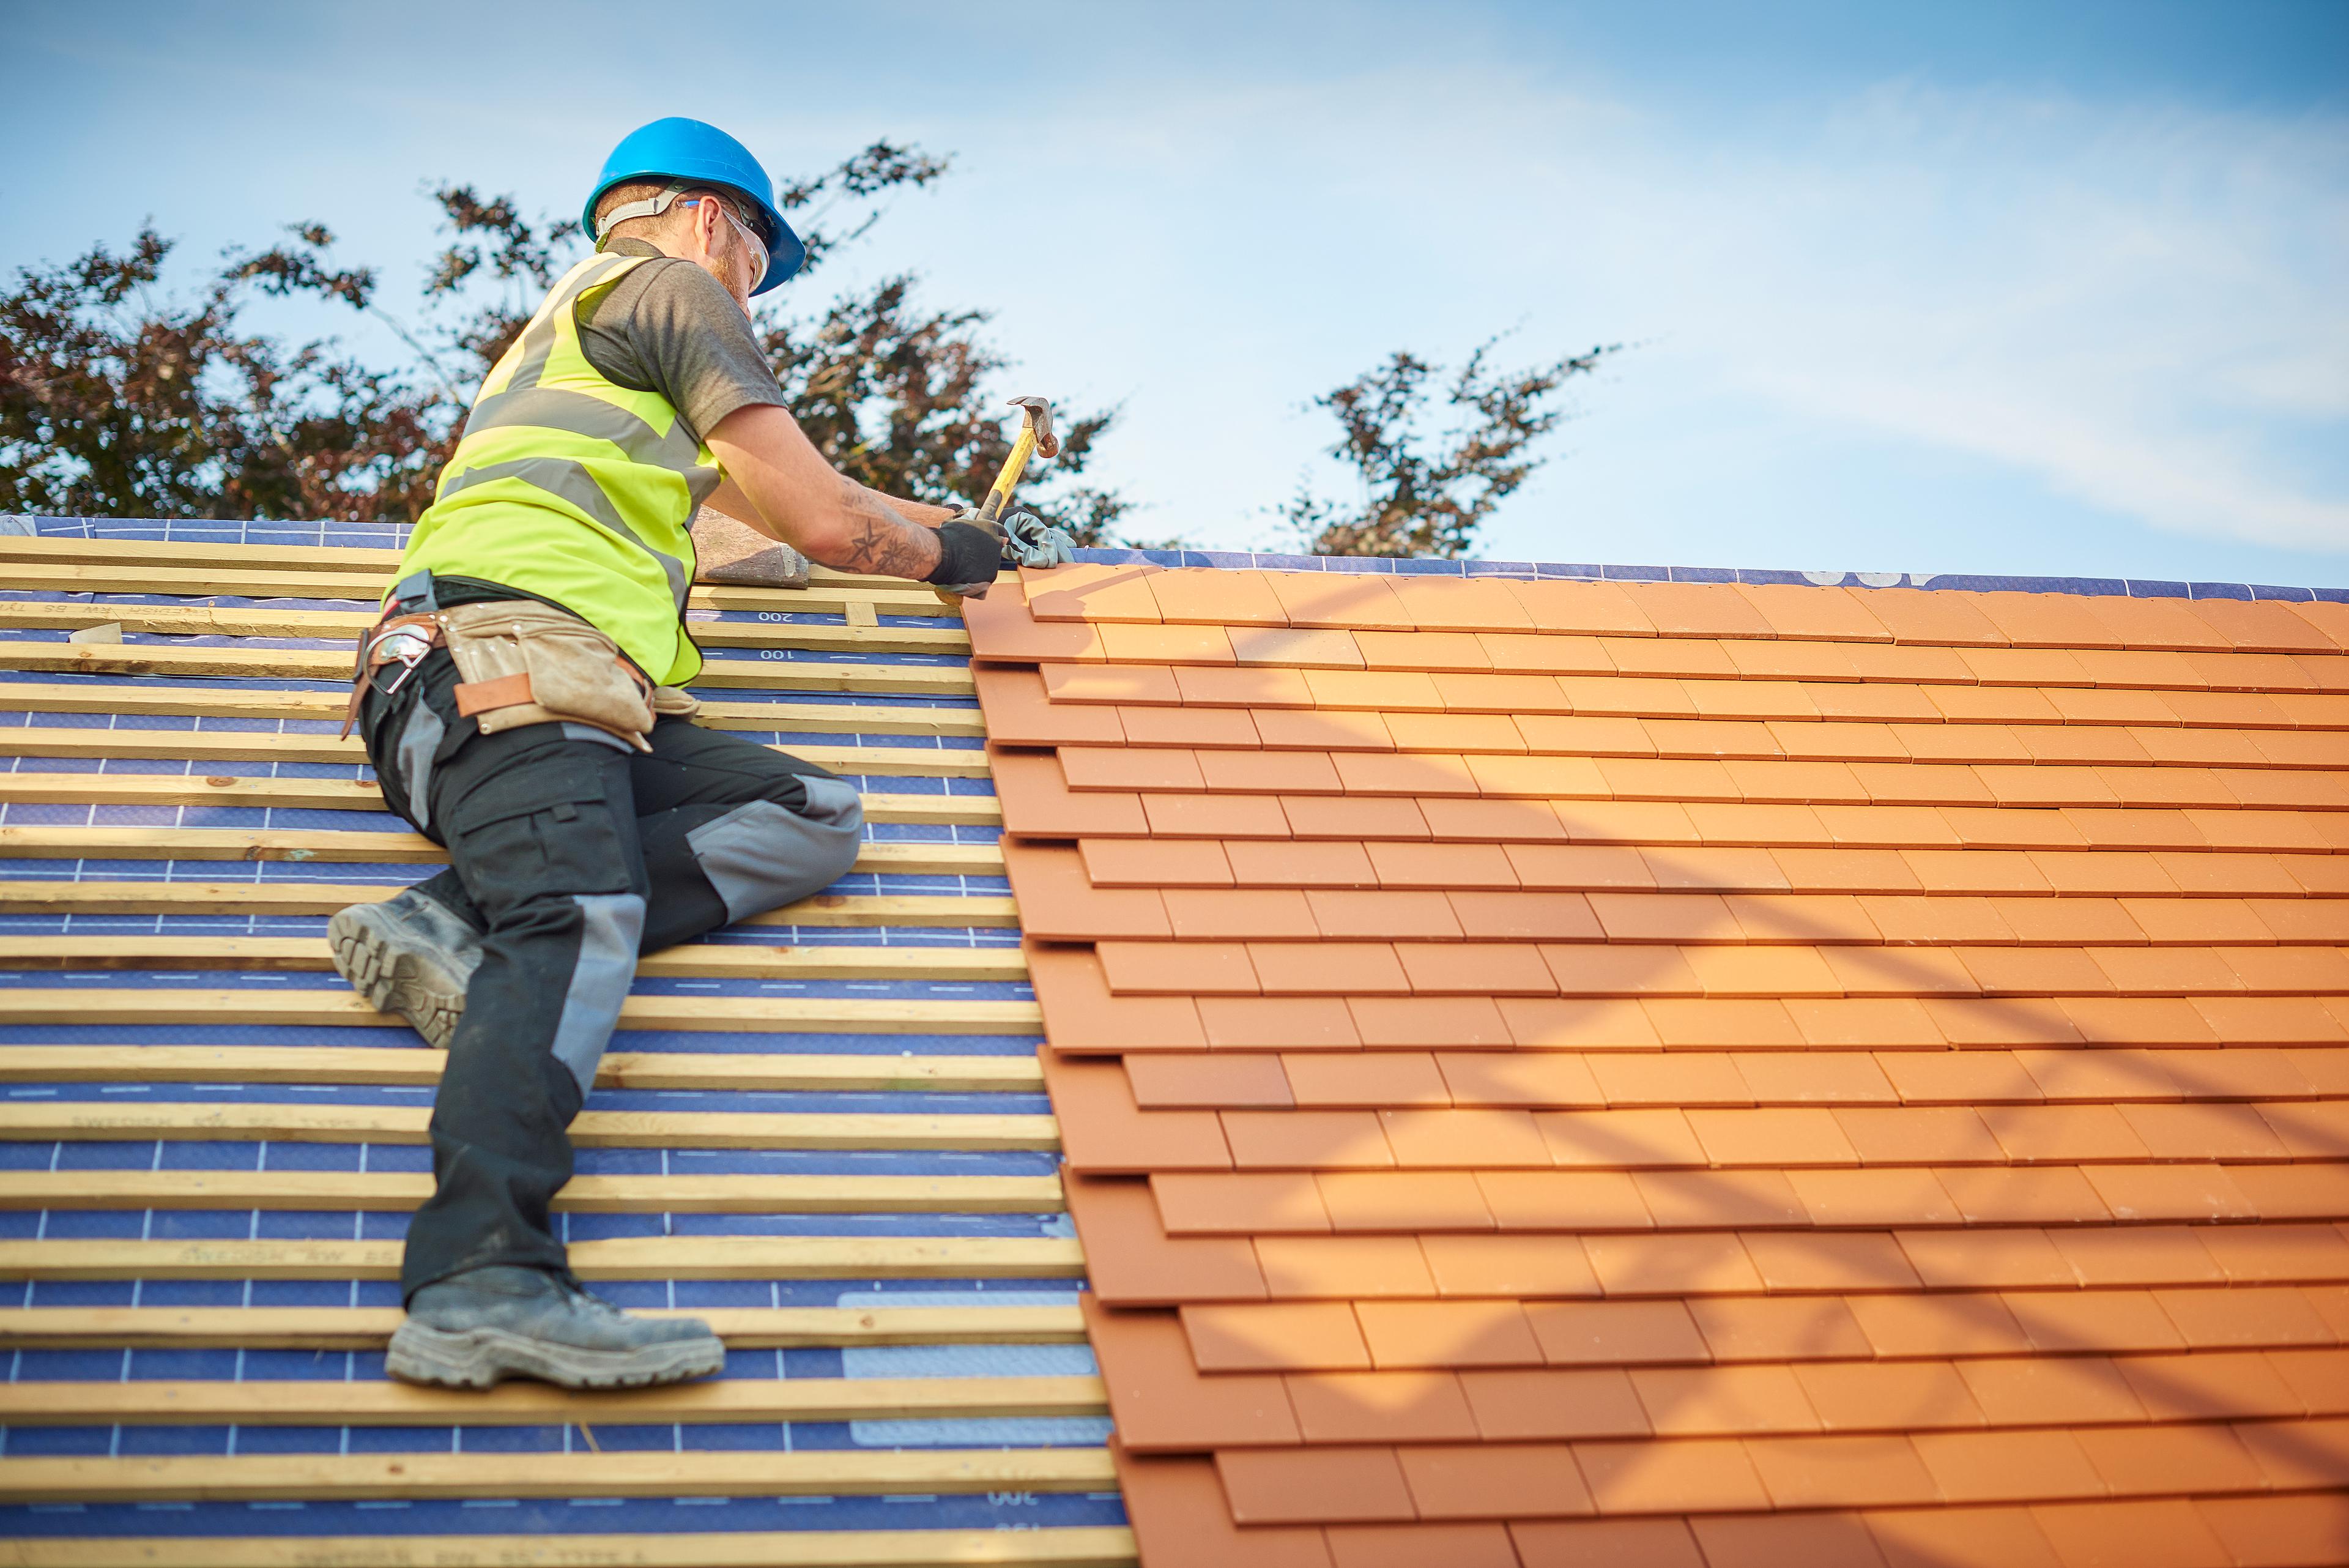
(670, 328)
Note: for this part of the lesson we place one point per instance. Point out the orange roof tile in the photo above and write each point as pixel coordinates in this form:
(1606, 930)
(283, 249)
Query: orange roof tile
(1694, 1073)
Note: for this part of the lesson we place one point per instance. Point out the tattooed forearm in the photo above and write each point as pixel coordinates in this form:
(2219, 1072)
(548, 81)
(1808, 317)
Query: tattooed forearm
(880, 542)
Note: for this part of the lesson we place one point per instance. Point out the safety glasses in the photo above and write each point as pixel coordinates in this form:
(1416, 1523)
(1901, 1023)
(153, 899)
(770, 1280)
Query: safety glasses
(750, 236)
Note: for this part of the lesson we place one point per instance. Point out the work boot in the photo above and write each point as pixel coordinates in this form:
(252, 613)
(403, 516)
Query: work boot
(409, 955)
(471, 1329)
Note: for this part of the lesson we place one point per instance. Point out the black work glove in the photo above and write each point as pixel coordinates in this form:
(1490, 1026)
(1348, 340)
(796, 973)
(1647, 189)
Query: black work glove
(969, 552)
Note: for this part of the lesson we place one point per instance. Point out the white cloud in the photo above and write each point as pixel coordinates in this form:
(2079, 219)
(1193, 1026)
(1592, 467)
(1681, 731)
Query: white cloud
(2137, 307)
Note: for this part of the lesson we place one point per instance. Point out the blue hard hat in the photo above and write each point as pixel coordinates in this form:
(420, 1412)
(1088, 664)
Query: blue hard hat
(700, 154)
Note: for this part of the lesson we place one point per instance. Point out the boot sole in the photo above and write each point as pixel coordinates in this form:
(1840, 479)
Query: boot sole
(479, 1357)
(391, 978)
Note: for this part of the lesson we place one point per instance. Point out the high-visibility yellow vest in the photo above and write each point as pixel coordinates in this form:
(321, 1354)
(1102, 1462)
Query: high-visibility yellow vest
(568, 485)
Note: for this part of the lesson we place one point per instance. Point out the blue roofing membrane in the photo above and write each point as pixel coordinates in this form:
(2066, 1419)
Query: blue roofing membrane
(477, 1517)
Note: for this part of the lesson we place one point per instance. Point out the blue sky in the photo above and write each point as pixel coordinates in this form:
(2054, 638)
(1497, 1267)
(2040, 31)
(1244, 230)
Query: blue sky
(1913, 287)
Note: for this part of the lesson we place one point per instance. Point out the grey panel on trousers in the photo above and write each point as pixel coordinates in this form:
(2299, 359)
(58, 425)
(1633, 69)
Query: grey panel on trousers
(419, 741)
(572, 732)
(599, 980)
(761, 855)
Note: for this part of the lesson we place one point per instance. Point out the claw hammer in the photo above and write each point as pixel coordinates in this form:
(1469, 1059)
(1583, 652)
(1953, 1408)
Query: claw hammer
(1035, 436)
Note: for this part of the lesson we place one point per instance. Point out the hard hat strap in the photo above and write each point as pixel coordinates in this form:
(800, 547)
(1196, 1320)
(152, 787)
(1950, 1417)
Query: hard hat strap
(650, 207)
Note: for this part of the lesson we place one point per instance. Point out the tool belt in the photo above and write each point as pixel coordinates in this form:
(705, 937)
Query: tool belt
(522, 663)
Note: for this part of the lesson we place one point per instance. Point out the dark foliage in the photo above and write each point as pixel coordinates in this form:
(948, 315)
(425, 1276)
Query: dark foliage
(1422, 492)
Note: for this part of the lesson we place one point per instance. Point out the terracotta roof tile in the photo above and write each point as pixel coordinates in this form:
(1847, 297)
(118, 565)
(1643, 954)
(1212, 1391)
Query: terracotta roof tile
(1236, 1203)
(2261, 627)
(1287, 1486)
(1166, 1080)
(1002, 628)
(1092, 593)
(2070, 1322)
(1701, 1263)
(1325, 1268)
(2208, 1384)
(1699, 1199)
(1297, 647)
(1214, 816)
(1910, 1134)
(1563, 1199)
(1706, 1474)
(2007, 1467)
(1669, 659)
(1887, 1197)
(1520, 653)
(1426, 1334)
(1381, 1406)
(1811, 1472)
(1913, 1396)
(1180, 1504)
(1329, 968)
(1558, 1403)
(1892, 1023)
(1424, 651)
(2001, 1259)
(1166, 644)
(1620, 1140)
(1253, 688)
(2280, 1530)
(1270, 772)
(1706, 1401)
(2277, 1316)
(2299, 1453)
(1176, 968)
(1404, 1201)
(1370, 1083)
(1149, 863)
(1158, 1400)
(1476, 970)
(2145, 1462)
(1305, 1140)
(1260, 1337)
(1080, 1014)
(1020, 712)
(2023, 1195)
(1208, 914)
(1278, 1023)
(1130, 1260)
(1346, 599)
(1495, 1481)
(1036, 800)
(1408, 1545)
(1356, 914)
(1464, 1139)
(1508, 1266)
(1470, 1022)
(1287, 863)
(2171, 1533)
(1060, 902)
(1106, 1131)
(1778, 1328)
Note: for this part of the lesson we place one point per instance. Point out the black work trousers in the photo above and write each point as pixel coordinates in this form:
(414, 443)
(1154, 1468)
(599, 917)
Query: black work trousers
(572, 853)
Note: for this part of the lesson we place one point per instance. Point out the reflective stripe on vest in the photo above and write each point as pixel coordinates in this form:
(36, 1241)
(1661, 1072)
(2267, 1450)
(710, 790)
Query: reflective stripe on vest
(569, 486)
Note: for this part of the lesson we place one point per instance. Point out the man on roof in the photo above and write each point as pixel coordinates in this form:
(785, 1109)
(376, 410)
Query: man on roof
(524, 703)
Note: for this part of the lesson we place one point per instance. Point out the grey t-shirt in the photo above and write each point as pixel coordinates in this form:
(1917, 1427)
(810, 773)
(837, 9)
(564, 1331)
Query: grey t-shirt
(670, 328)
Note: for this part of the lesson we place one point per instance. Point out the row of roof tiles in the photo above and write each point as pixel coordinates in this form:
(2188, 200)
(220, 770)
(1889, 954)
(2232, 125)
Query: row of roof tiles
(1142, 595)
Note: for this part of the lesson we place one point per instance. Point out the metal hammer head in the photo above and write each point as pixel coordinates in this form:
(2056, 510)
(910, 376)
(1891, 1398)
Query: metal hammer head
(1039, 416)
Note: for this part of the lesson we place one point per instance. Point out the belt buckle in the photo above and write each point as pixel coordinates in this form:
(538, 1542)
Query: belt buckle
(402, 645)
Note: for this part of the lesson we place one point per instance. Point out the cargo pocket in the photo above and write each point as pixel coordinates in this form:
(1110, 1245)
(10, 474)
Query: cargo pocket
(526, 836)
